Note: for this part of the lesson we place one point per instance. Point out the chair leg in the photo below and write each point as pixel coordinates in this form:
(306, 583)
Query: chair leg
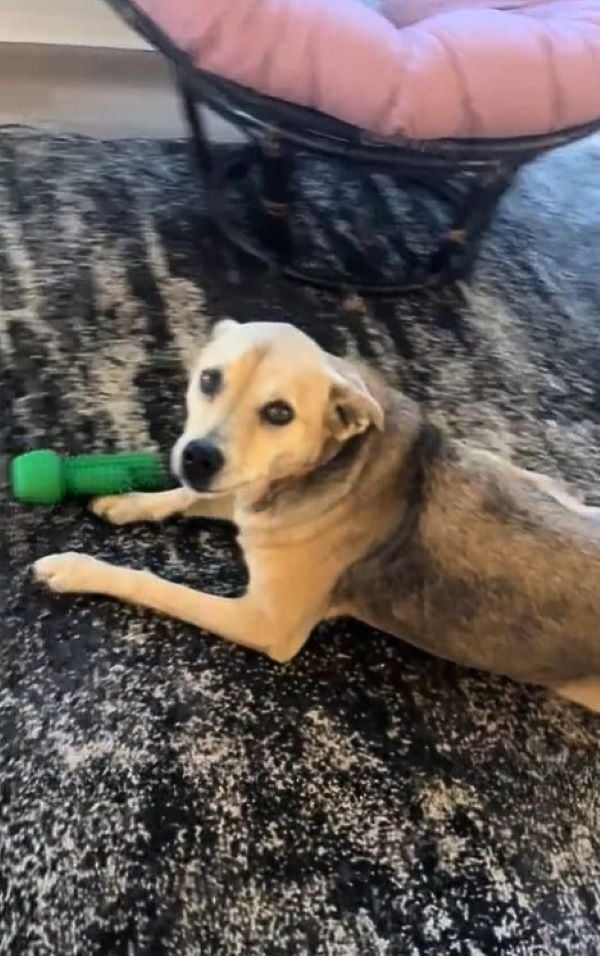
(455, 257)
(276, 172)
(201, 145)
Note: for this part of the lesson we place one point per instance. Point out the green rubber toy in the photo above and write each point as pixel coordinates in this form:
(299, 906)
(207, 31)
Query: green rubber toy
(46, 478)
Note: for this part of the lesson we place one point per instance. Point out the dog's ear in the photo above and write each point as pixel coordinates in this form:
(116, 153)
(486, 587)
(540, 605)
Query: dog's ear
(222, 327)
(352, 407)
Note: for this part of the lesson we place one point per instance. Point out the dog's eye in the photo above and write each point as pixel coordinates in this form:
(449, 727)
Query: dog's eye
(277, 413)
(211, 381)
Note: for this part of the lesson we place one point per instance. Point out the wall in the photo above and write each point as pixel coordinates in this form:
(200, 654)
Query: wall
(71, 22)
(51, 78)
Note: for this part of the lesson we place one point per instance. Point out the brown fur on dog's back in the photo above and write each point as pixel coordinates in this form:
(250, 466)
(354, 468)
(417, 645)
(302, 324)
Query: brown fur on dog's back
(496, 573)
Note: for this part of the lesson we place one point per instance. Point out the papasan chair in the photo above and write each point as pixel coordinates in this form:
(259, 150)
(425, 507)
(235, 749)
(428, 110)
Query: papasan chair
(451, 97)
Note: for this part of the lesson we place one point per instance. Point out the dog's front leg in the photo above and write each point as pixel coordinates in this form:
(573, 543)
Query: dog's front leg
(253, 623)
(146, 506)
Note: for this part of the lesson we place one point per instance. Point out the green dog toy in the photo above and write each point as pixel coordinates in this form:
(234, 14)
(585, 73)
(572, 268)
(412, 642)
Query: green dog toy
(45, 478)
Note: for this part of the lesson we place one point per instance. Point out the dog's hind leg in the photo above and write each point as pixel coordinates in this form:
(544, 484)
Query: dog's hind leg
(585, 692)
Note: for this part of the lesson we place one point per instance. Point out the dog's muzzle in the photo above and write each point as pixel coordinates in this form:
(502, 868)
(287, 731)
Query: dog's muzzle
(201, 461)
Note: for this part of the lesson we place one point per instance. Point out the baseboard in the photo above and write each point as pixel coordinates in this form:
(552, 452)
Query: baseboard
(98, 92)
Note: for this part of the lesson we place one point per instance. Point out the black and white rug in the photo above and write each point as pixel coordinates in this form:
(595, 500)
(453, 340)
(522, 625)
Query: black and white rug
(163, 792)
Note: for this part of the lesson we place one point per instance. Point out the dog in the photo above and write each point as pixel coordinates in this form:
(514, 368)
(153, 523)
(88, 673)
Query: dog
(349, 502)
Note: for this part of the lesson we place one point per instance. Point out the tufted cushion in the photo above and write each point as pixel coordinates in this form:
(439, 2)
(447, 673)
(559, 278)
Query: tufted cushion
(422, 69)
(405, 12)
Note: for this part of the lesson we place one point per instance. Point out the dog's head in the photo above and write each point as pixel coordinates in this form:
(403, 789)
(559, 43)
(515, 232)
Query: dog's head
(266, 404)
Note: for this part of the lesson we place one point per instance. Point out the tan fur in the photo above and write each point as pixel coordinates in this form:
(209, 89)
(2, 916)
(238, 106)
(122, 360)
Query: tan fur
(358, 507)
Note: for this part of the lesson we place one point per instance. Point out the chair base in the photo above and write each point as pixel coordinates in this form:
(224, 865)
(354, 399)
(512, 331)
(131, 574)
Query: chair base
(469, 179)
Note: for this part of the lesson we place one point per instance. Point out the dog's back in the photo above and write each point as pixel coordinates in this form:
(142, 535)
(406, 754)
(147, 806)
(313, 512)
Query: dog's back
(492, 570)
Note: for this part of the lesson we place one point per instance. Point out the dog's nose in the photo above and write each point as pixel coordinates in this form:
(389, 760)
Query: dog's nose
(201, 460)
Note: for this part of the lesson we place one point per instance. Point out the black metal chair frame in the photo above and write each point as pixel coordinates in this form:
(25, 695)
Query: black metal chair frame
(276, 130)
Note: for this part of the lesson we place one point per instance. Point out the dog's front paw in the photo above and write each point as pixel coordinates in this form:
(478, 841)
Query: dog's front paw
(68, 572)
(118, 509)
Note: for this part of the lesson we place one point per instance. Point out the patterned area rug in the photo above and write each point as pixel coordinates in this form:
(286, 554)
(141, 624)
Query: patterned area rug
(163, 792)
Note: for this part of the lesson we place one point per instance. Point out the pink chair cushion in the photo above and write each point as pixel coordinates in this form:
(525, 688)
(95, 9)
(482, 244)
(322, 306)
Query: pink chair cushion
(427, 69)
(405, 12)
